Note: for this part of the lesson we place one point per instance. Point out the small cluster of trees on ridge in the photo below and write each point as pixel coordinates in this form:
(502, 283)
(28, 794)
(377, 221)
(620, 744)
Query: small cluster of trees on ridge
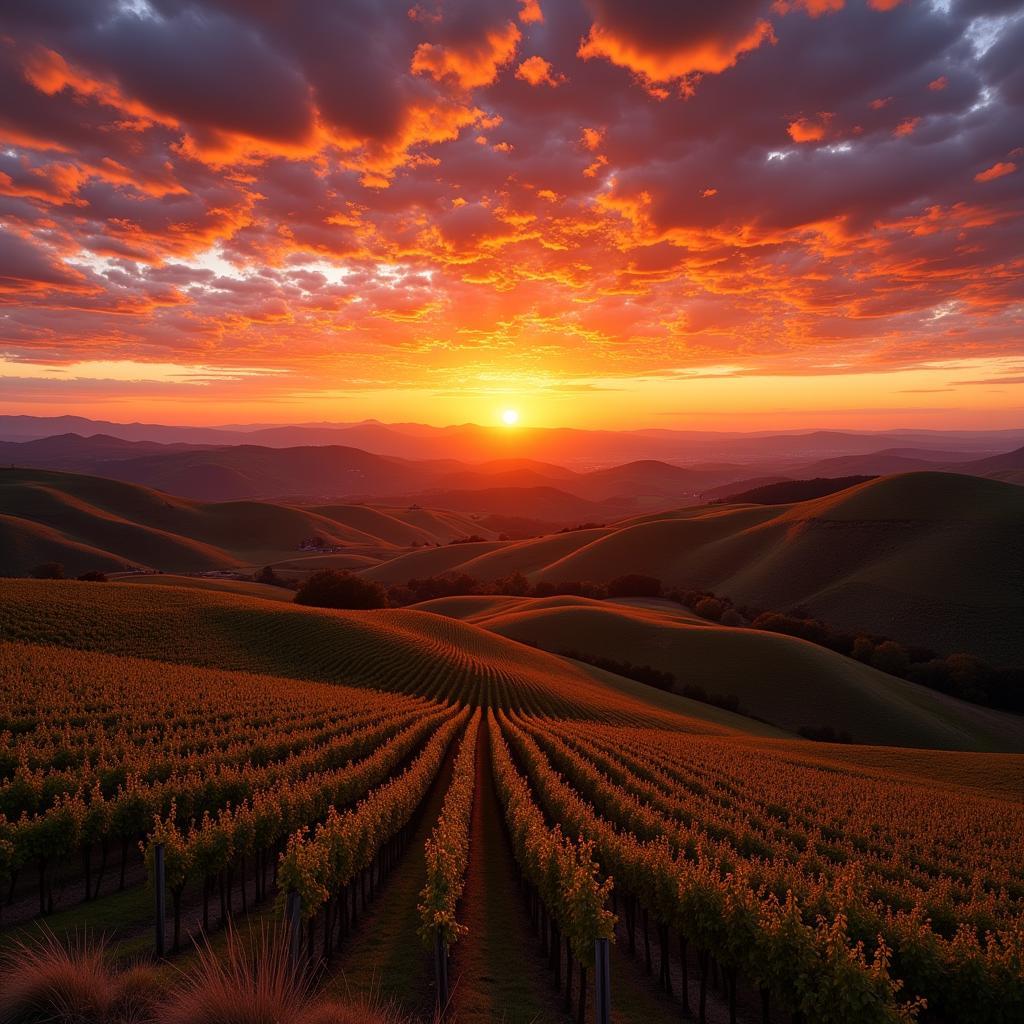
(959, 674)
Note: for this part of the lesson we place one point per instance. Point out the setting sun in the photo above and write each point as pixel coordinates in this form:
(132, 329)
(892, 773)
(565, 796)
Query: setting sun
(510, 417)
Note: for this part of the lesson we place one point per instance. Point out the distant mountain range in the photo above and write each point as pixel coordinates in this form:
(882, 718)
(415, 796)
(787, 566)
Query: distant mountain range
(579, 449)
(512, 485)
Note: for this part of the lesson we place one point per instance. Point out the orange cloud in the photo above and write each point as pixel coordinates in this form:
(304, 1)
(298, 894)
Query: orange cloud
(50, 73)
(530, 11)
(805, 129)
(938, 84)
(883, 5)
(538, 71)
(815, 8)
(470, 65)
(906, 127)
(712, 53)
(880, 103)
(592, 137)
(997, 170)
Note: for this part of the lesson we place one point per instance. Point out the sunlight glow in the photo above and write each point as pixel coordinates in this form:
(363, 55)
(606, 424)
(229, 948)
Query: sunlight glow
(510, 417)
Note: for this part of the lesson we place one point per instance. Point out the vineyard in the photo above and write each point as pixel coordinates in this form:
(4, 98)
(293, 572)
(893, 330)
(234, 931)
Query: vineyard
(653, 864)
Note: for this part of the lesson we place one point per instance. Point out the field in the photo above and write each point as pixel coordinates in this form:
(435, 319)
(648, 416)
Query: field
(403, 771)
(929, 559)
(782, 679)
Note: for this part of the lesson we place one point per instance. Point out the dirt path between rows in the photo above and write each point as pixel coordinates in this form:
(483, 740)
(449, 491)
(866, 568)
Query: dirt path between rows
(497, 970)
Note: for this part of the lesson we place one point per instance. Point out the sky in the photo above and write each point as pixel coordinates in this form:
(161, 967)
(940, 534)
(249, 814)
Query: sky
(629, 213)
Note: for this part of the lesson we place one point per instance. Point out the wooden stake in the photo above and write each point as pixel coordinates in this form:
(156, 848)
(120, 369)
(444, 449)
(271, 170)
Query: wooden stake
(161, 897)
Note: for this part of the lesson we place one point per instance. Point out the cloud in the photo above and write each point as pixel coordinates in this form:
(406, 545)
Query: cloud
(537, 71)
(471, 63)
(25, 266)
(998, 170)
(810, 129)
(530, 11)
(416, 194)
(650, 38)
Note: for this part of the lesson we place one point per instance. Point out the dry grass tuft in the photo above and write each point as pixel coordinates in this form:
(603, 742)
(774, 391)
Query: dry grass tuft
(251, 983)
(50, 982)
(55, 981)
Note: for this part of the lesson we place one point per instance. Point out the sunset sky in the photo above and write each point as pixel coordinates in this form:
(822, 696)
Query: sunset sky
(670, 213)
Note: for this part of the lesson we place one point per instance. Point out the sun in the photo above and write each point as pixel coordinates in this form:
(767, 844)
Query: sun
(510, 417)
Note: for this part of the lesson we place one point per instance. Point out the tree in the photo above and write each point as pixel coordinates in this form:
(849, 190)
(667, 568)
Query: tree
(48, 571)
(863, 649)
(93, 576)
(710, 608)
(333, 589)
(516, 585)
(634, 585)
(731, 617)
(268, 576)
(891, 657)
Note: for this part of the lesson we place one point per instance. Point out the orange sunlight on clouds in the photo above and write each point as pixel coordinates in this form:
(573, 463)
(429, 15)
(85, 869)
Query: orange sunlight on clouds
(423, 210)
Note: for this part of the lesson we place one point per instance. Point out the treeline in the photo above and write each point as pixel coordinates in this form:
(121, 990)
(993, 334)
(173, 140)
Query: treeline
(959, 674)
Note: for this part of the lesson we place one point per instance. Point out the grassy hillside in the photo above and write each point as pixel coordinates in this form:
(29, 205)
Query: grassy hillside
(402, 527)
(396, 649)
(220, 586)
(935, 559)
(88, 522)
(783, 679)
(429, 561)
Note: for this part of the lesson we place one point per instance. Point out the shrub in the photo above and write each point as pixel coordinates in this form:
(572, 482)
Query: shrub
(138, 992)
(48, 982)
(515, 585)
(431, 587)
(731, 617)
(891, 657)
(268, 576)
(710, 608)
(48, 571)
(634, 585)
(332, 589)
(93, 576)
(243, 986)
(863, 649)
(399, 595)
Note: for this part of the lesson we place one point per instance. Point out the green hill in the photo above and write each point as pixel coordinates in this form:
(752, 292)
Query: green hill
(935, 559)
(430, 561)
(782, 679)
(88, 522)
(394, 649)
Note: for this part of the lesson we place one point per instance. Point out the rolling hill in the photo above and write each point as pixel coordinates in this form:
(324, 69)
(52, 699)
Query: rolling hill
(782, 679)
(934, 559)
(395, 649)
(94, 523)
